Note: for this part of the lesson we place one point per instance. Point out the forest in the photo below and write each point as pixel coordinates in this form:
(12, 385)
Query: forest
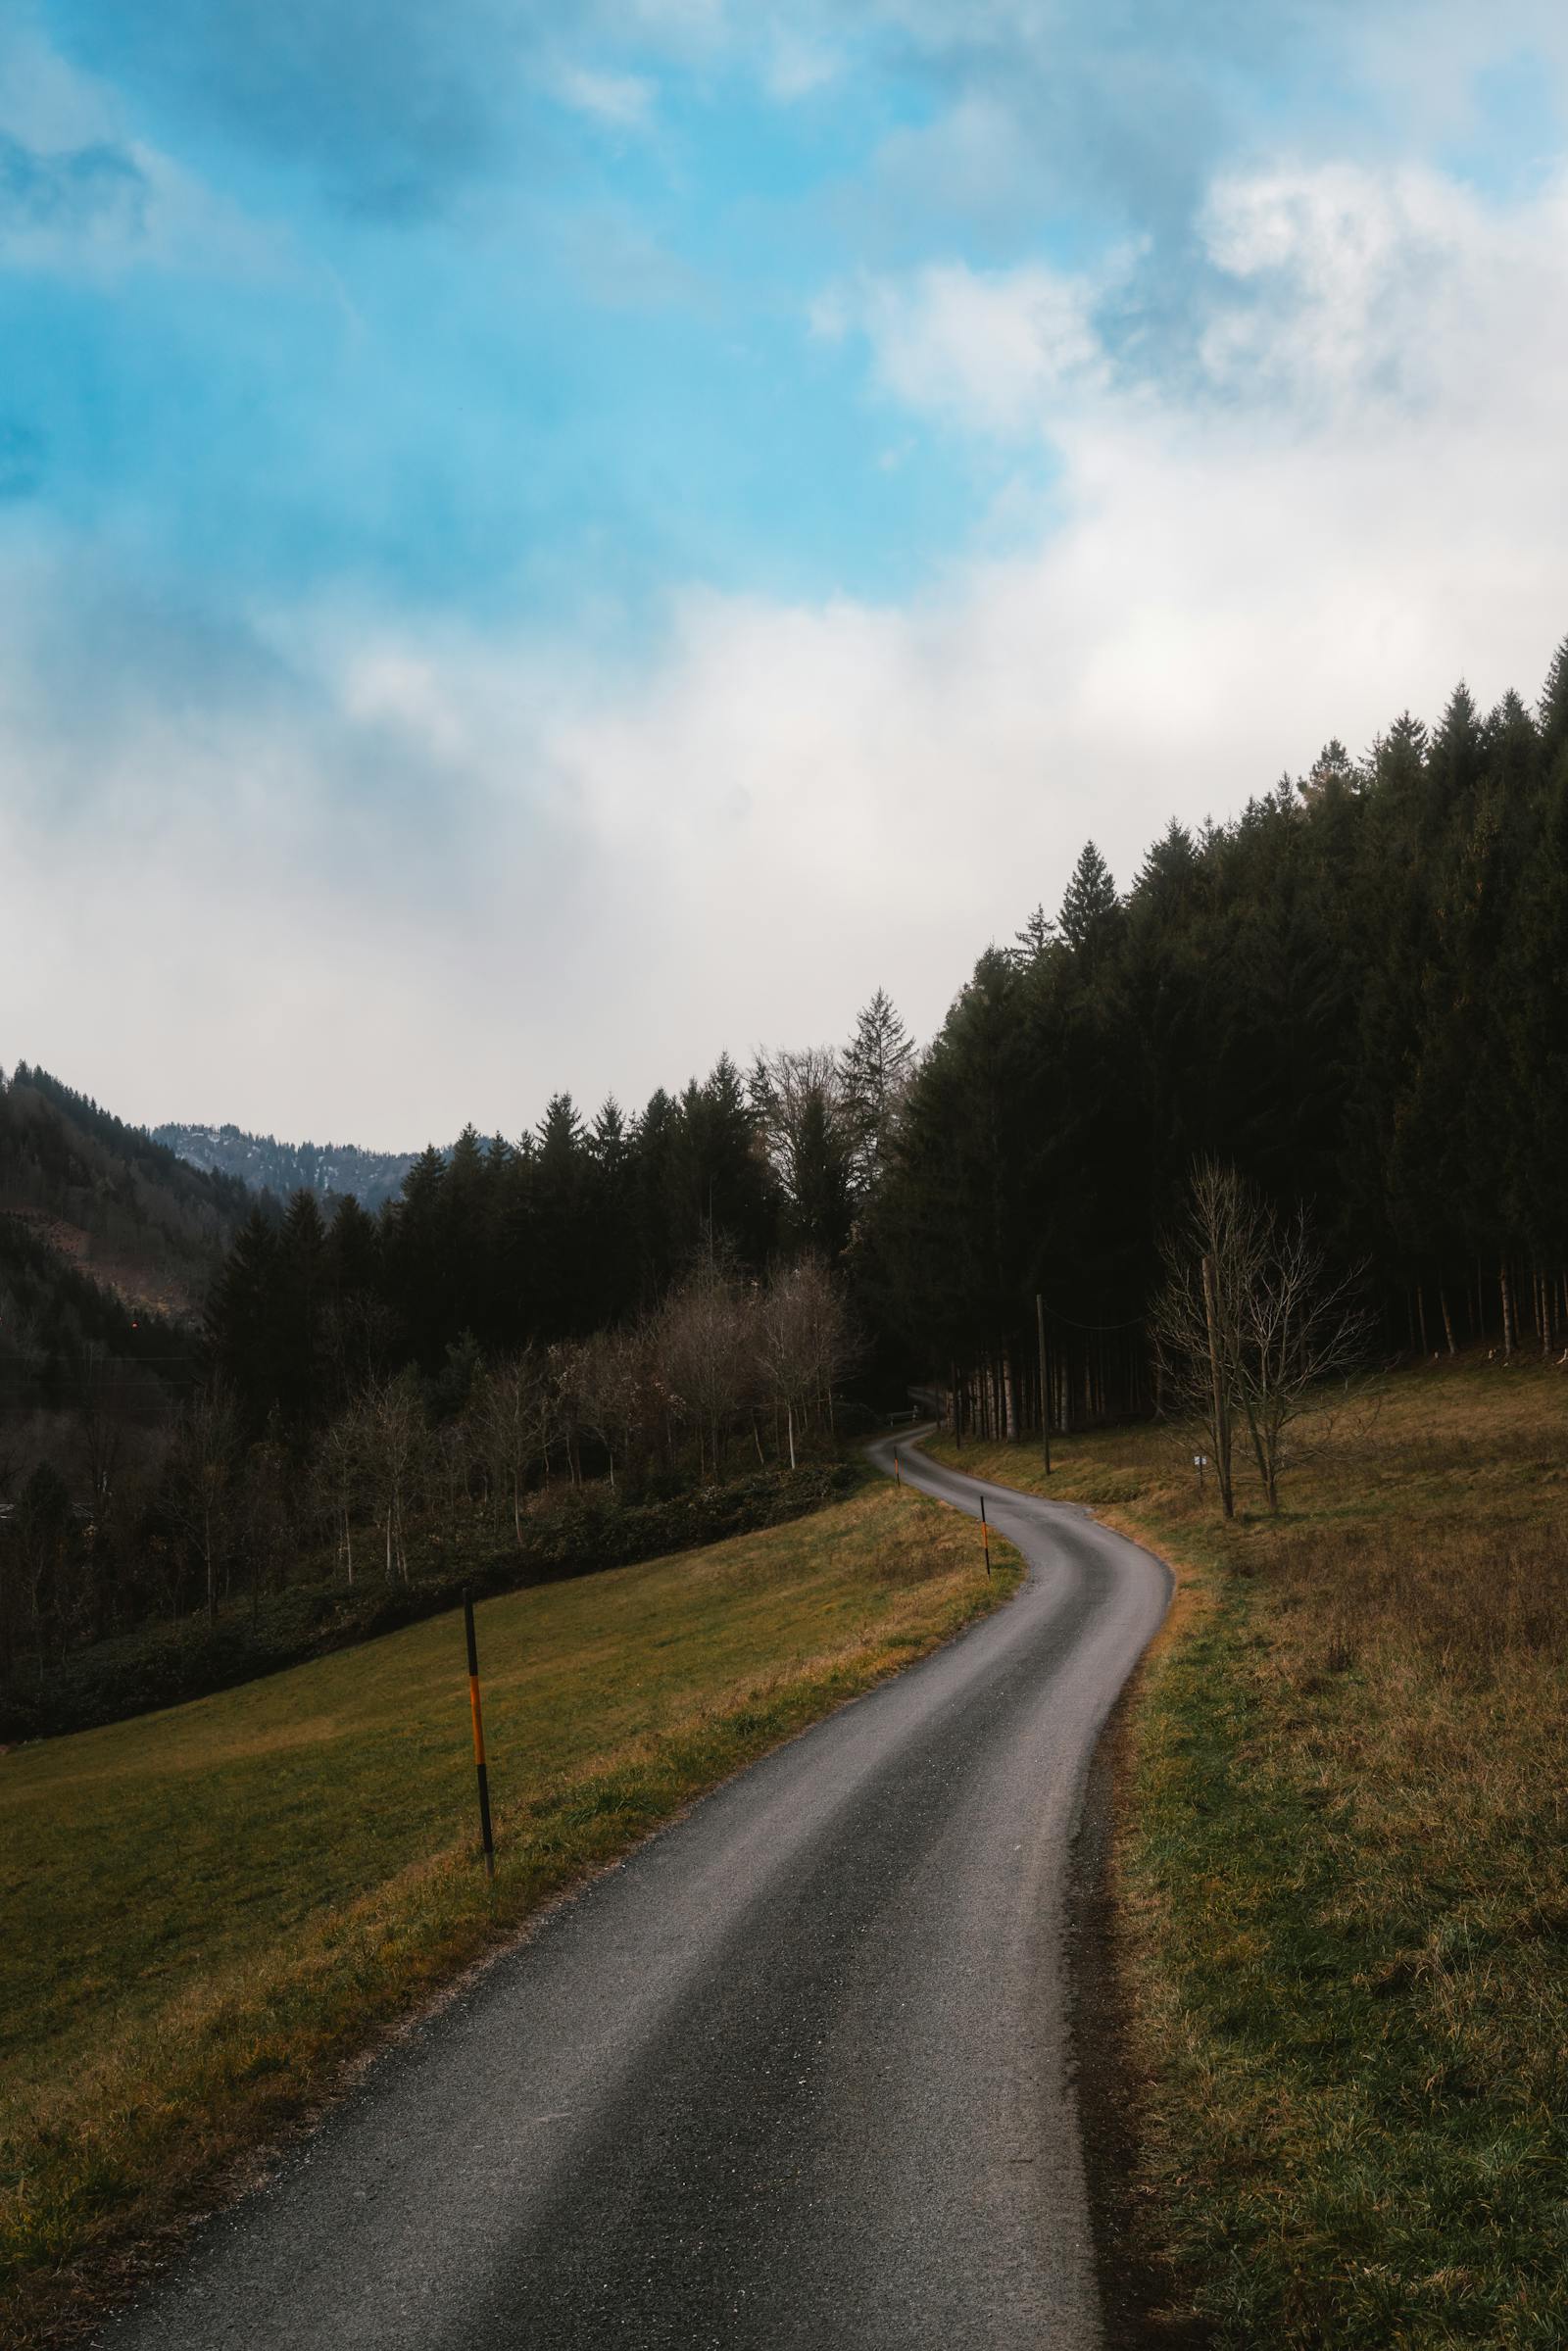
(1351, 995)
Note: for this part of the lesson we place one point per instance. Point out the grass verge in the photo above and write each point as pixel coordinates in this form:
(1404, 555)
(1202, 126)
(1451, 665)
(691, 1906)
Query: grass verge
(212, 1910)
(1341, 1887)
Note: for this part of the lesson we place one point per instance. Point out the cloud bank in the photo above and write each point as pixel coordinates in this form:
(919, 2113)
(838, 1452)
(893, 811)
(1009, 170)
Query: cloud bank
(339, 871)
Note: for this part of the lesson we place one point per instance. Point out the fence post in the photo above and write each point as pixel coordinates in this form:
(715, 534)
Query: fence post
(480, 1766)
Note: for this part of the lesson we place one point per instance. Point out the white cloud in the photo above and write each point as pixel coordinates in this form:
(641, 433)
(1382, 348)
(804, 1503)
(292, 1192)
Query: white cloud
(988, 351)
(1388, 293)
(623, 100)
(448, 871)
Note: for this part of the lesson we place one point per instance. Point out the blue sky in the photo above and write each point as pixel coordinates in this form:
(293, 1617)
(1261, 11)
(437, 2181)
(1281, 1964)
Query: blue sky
(520, 527)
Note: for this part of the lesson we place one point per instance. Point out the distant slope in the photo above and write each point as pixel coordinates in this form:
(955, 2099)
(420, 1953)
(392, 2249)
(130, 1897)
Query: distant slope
(107, 1245)
(327, 1170)
(106, 1198)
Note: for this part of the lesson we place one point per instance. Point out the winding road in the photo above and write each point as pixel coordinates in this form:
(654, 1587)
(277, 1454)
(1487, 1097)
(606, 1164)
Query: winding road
(798, 2073)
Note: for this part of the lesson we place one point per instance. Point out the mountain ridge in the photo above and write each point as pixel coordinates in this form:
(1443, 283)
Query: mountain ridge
(262, 1163)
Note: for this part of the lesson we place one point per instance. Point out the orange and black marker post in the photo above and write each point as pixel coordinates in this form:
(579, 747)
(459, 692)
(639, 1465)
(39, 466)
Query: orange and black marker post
(480, 1763)
(985, 1533)
(897, 1469)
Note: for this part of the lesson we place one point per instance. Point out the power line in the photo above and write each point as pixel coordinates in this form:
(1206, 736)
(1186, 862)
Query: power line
(1134, 1322)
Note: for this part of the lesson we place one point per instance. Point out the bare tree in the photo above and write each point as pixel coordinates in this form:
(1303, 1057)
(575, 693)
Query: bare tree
(40, 1538)
(790, 1092)
(707, 1357)
(101, 1420)
(264, 1496)
(200, 1479)
(513, 1417)
(801, 1343)
(1302, 1331)
(618, 1395)
(340, 1478)
(391, 1433)
(1251, 1326)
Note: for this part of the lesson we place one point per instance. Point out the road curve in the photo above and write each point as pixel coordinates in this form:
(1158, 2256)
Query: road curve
(796, 2073)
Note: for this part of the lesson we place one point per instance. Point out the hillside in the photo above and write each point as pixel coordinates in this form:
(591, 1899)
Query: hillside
(229, 1899)
(107, 1245)
(117, 1204)
(331, 1170)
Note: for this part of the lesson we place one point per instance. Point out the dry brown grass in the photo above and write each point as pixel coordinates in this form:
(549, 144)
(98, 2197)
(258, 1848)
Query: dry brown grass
(1344, 1875)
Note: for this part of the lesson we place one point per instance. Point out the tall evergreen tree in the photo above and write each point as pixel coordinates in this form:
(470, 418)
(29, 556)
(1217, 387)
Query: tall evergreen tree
(1091, 910)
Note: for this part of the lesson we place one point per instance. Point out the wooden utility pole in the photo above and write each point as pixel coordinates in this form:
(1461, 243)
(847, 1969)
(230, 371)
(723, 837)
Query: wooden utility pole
(1045, 1383)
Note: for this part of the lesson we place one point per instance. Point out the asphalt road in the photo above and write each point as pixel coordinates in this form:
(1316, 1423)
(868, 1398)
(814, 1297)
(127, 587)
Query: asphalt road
(797, 2074)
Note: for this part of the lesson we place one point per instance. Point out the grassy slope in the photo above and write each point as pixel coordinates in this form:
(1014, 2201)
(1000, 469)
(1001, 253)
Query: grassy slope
(1342, 1886)
(208, 1909)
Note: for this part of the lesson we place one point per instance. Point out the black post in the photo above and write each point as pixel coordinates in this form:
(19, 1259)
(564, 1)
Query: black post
(480, 1763)
(985, 1533)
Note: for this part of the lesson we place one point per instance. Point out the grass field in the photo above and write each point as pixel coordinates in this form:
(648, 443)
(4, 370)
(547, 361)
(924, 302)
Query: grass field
(1341, 1897)
(209, 1910)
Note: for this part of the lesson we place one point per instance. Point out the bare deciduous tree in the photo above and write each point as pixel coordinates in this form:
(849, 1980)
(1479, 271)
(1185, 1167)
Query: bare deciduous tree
(1252, 1325)
(512, 1418)
(340, 1476)
(619, 1396)
(707, 1357)
(391, 1434)
(801, 1343)
(201, 1473)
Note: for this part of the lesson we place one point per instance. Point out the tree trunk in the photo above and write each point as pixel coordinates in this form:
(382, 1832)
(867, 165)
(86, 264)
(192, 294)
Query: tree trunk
(1421, 1316)
(1447, 1318)
(789, 1423)
(1045, 1384)
(1221, 1402)
(1505, 1286)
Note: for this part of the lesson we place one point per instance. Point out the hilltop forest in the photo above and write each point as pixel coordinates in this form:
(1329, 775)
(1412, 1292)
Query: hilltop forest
(1354, 994)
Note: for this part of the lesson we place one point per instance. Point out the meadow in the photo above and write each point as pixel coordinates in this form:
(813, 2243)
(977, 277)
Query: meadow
(1341, 1889)
(212, 1911)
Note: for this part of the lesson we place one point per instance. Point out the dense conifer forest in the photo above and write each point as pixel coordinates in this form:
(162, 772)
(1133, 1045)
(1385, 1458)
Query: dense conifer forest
(331, 1170)
(1354, 993)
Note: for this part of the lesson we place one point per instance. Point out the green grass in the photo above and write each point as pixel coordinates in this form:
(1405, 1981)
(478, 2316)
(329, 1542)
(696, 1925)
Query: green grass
(1342, 1890)
(209, 1910)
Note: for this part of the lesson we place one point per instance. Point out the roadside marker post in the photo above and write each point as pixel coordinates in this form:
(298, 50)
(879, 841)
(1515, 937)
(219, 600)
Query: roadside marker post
(479, 1764)
(985, 1533)
(898, 1470)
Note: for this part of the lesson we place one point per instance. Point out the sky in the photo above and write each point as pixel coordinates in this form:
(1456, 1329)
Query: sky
(539, 544)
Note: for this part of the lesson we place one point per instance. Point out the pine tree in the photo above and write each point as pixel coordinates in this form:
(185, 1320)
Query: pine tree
(1091, 910)
(1038, 935)
(1553, 708)
(876, 1067)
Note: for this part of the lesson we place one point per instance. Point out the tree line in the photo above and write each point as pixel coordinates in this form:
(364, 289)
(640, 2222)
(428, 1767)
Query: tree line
(1354, 996)
(1350, 1000)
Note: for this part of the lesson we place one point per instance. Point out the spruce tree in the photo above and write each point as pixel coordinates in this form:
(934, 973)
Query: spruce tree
(1091, 910)
(876, 1067)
